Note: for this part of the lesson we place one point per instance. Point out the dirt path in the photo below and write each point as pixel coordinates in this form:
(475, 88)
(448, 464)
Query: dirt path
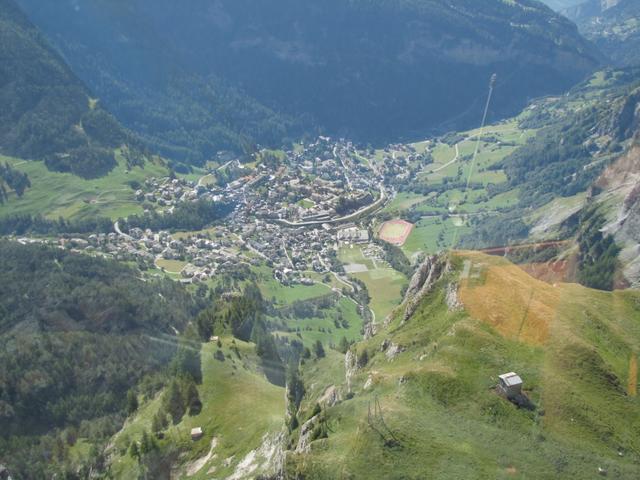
(455, 159)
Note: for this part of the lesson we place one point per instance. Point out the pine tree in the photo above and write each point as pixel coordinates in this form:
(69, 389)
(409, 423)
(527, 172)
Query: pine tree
(173, 402)
(343, 347)
(318, 349)
(132, 402)
(134, 451)
(147, 443)
(158, 422)
(192, 398)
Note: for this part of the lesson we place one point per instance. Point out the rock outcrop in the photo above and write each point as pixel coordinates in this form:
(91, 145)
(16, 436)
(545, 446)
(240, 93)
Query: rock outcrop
(330, 397)
(306, 431)
(453, 302)
(393, 351)
(422, 282)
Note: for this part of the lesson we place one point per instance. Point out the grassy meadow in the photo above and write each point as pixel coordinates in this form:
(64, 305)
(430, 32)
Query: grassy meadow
(55, 194)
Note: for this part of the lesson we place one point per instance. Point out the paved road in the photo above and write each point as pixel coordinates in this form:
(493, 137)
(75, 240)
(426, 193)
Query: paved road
(116, 227)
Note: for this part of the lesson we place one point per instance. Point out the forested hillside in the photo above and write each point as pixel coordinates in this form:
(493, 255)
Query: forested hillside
(47, 113)
(223, 75)
(76, 333)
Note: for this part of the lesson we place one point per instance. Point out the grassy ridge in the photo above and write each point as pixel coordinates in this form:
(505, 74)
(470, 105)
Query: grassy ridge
(239, 409)
(438, 402)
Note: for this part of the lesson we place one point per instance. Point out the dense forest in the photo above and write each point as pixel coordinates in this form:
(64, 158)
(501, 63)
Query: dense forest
(369, 70)
(47, 113)
(82, 339)
(21, 224)
(76, 334)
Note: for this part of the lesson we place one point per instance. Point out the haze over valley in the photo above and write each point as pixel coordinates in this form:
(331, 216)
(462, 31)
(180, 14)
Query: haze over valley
(315, 240)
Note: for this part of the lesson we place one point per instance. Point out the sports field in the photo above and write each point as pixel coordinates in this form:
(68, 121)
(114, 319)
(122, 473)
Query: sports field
(395, 231)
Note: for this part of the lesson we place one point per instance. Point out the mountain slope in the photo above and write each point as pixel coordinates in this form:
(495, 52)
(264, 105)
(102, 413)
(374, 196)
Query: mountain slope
(425, 389)
(222, 74)
(47, 113)
(614, 27)
(76, 333)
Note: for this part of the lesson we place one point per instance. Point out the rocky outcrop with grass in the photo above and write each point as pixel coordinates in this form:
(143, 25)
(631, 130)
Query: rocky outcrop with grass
(423, 281)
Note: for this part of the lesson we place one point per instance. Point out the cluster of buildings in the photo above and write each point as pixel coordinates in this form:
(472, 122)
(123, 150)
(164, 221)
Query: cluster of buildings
(204, 255)
(167, 192)
(292, 213)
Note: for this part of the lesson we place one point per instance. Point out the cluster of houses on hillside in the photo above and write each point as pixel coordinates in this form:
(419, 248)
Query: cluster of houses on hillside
(292, 212)
(203, 255)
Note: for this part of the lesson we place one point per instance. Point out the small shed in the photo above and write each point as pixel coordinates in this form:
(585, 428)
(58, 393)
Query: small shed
(510, 385)
(196, 433)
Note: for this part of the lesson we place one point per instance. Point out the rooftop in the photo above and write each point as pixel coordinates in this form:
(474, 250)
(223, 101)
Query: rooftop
(511, 379)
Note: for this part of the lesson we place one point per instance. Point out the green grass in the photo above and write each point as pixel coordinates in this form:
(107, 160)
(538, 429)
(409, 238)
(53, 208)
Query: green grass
(404, 201)
(239, 408)
(384, 283)
(431, 235)
(324, 328)
(434, 234)
(306, 203)
(274, 290)
(436, 398)
(171, 266)
(183, 235)
(56, 195)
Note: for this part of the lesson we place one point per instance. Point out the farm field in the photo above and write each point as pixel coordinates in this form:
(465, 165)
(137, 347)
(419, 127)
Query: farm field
(432, 234)
(273, 290)
(54, 194)
(435, 230)
(404, 201)
(383, 282)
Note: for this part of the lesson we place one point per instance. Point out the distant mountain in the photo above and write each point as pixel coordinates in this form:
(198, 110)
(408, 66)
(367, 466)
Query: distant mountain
(224, 74)
(45, 110)
(614, 26)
